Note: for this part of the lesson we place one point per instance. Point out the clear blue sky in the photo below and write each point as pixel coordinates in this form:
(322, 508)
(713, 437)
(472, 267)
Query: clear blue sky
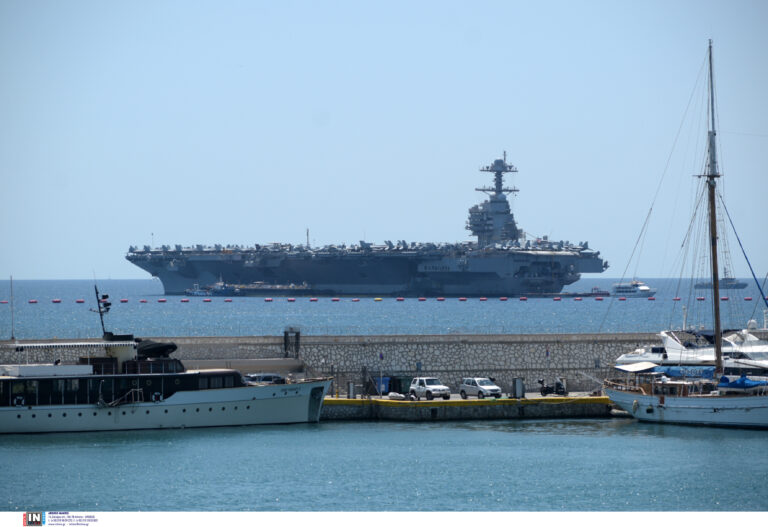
(248, 122)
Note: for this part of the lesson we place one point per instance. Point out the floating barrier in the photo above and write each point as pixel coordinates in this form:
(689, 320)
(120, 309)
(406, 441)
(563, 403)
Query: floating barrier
(80, 301)
(577, 299)
(462, 299)
(676, 299)
(400, 299)
(291, 300)
(377, 299)
(724, 298)
(334, 299)
(748, 298)
(622, 298)
(699, 298)
(206, 299)
(162, 300)
(123, 300)
(267, 300)
(440, 299)
(227, 300)
(523, 299)
(422, 299)
(185, 300)
(503, 299)
(33, 301)
(557, 299)
(483, 299)
(3, 301)
(598, 299)
(355, 300)
(143, 301)
(56, 301)
(651, 298)
(313, 299)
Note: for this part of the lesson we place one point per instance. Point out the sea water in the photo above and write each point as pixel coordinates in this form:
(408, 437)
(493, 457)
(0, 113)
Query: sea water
(529, 465)
(566, 465)
(255, 316)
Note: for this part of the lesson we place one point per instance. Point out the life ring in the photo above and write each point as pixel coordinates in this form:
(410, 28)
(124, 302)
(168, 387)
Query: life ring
(19, 400)
(157, 397)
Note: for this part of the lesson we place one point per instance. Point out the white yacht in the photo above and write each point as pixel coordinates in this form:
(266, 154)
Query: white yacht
(634, 288)
(135, 385)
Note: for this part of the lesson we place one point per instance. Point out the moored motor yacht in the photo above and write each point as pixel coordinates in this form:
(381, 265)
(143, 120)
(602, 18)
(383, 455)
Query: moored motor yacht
(137, 385)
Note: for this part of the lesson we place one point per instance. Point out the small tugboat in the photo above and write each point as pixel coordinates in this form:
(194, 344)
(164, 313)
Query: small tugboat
(135, 384)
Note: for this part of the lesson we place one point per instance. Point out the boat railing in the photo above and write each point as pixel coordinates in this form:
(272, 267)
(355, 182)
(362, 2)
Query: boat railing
(623, 386)
(135, 395)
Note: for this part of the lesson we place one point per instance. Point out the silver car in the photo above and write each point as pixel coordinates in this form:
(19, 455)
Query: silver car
(480, 386)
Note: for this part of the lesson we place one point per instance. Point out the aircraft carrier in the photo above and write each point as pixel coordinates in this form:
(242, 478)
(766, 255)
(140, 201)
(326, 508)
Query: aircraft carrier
(502, 262)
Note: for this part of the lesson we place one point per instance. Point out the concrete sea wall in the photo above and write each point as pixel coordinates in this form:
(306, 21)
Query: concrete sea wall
(582, 359)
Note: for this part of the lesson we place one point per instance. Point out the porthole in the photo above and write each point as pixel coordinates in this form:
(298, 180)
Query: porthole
(184, 411)
(50, 415)
(177, 382)
(222, 409)
(210, 409)
(149, 382)
(135, 382)
(79, 414)
(109, 413)
(235, 407)
(33, 416)
(147, 412)
(248, 407)
(94, 414)
(197, 409)
(64, 414)
(166, 411)
(123, 412)
(18, 416)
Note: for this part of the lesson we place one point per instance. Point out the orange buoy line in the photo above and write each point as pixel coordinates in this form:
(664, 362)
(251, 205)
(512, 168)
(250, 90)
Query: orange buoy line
(33, 301)
(206, 299)
(503, 299)
(523, 299)
(56, 301)
(184, 300)
(267, 300)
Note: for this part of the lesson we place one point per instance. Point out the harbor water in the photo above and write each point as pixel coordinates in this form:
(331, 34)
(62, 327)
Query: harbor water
(255, 316)
(533, 465)
(590, 465)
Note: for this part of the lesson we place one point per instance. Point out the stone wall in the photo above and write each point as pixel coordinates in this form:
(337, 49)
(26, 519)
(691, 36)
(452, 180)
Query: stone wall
(583, 359)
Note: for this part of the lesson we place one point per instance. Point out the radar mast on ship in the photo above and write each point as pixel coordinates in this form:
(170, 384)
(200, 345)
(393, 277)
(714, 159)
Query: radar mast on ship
(492, 221)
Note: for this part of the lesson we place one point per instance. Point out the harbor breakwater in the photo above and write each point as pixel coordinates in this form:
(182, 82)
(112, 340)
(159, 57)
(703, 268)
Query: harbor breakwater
(582, 359)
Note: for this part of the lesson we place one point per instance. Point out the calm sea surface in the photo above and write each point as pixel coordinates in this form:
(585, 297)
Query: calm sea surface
(549, 465)
(254, 316)
(591, 465)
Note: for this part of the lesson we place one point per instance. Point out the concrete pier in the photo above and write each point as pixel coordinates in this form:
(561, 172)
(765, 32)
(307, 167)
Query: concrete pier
(457, 409)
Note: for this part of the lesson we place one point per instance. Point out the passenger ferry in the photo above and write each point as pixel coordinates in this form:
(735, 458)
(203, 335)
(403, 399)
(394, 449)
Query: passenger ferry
(136, 385)
(634, 288)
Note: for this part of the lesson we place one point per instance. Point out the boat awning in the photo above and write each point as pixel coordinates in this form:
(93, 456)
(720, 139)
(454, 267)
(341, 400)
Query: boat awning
(636, 367)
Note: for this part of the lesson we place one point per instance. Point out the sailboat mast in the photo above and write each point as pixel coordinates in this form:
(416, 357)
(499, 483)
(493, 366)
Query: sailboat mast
(712, 175)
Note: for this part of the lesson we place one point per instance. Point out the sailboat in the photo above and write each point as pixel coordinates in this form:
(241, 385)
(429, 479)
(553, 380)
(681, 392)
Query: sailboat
(720, 401)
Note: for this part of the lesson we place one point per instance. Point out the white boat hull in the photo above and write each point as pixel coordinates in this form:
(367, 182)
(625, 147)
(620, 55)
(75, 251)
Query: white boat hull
(730, 411)
(246, 405)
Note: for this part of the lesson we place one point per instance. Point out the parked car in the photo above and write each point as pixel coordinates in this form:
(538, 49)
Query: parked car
(265, 378)
(480, 386)
(429, 387)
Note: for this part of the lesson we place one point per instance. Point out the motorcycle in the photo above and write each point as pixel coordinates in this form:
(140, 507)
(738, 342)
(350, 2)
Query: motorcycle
(557, 389)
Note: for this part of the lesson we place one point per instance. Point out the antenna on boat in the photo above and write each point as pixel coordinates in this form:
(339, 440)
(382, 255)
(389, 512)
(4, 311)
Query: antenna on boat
(103, 304)
(12, 321)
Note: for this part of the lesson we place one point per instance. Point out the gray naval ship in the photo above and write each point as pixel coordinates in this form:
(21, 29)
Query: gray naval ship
(501, 263)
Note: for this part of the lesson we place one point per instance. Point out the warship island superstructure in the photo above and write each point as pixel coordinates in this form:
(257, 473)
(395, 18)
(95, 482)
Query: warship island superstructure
(502, 261)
